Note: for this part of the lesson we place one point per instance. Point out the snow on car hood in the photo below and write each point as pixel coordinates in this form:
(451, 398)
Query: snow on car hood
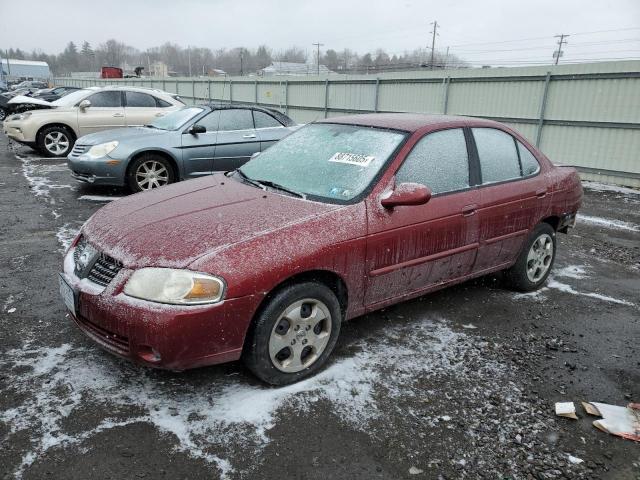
(119, 134)
(175, 225)
(29, 100)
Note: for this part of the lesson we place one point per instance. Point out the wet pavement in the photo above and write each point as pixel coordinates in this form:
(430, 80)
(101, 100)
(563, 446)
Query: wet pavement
(456, 384)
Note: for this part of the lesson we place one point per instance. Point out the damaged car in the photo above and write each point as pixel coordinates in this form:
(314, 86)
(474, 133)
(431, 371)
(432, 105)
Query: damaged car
(54, 127)
(342, 217)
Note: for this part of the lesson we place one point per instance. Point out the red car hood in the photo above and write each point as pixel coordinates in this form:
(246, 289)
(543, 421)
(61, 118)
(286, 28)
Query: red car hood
(175, 225)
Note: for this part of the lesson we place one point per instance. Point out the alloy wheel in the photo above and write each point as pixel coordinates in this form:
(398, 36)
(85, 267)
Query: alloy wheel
(300, 335)
(539, 258)
(56, 143)
(151, 174)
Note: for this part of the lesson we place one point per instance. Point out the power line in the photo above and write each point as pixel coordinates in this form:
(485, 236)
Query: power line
(562, 40)
(318, 45)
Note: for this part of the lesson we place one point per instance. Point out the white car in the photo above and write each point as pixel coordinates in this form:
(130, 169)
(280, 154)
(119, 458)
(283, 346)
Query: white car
(54, 127)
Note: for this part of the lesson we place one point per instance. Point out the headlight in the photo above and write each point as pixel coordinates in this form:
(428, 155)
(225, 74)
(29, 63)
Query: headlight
(102, 149)
(178, 287)
(20, 116)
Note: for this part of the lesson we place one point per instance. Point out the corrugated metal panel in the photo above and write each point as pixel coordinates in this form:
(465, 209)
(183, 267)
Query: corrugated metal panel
(411, 97)
(306, 94)
(597, 100)
(496, 99)
(607, 148)
(357, 97)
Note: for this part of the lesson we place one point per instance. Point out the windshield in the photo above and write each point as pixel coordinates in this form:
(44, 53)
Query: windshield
(329, 161)
(176, 119)
(71, 99)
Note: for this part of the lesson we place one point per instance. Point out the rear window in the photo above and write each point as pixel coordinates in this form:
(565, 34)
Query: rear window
(264, 120)
(530, 165)
(498, 155)
(138, 99)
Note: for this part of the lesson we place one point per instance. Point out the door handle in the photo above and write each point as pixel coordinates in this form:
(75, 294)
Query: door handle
(159, 114)
(541, 193)
(118, 114)
(249, 135)
(469, 210)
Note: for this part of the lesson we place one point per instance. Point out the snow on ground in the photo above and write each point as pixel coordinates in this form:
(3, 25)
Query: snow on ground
(576, 272)
(209, 420)
(66, 234)
(608, 223)
(603, 187)
(35, 175)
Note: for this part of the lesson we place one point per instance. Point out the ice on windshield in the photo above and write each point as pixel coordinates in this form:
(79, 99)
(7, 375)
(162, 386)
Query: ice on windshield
(326, 160)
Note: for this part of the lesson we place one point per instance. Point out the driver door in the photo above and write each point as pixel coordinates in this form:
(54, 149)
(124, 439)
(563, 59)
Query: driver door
(106, 112)
(198, 149)
(414, 248)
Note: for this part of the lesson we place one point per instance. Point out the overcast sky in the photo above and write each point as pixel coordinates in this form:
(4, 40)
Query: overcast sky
(469, 27)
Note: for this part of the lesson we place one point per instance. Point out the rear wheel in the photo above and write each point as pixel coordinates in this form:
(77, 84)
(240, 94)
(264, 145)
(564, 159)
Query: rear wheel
(55, 141)
(535, 261)
(293, 336)
(150, 171)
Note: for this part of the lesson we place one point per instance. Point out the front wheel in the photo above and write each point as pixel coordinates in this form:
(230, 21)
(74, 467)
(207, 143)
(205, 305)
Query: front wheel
(295, 333)
(534, 264)
(3, 114)
(55, 141)
(150, 171)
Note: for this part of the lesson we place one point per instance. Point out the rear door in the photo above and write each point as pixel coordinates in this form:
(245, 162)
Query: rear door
(141, 108)
(106, 112)
(268, 128)
(512, 196)
(413, 248)
(237, 139)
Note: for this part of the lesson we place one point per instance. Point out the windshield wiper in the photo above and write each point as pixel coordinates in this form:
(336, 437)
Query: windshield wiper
(277, 186)
(149, 125)
(247, 179)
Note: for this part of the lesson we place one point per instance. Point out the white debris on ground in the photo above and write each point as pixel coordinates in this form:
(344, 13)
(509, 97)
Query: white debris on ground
(66, 234)
(99, 198)
(210, 420)
(34, 174)
(608, 223)
(574, 460)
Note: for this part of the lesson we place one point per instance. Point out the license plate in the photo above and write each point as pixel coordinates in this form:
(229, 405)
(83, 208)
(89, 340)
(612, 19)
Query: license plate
(68, 295)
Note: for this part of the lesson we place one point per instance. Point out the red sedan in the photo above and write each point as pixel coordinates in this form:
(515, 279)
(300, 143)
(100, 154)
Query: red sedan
(340, 218)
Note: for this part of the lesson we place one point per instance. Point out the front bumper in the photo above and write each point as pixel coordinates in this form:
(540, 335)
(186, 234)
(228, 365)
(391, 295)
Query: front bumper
(15, 132)
(97, 171)
(163, 336)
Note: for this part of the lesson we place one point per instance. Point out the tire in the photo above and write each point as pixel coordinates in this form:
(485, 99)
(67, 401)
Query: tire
(535, 262)
(283, 345)
(150, 171)
(55, 141)
(3, 114)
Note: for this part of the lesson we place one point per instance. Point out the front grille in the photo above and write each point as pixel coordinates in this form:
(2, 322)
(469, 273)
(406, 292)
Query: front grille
(104, 270)
(79, 150)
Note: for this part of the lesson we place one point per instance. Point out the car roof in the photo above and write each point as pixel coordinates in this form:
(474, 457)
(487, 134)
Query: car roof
(409, 122)
(131, 89)
(271, 111)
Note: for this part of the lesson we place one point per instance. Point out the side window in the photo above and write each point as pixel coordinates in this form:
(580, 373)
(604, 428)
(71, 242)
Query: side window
(161, 103)
(137, 99)
(529, 163)
(439, 161)
(264, 120)
(210, 121)
(235, 119)
(106, 99)
(498, 155)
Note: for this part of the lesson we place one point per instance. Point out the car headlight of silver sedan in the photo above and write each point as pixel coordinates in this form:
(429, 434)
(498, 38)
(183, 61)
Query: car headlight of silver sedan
(102, 149)
(177, 287)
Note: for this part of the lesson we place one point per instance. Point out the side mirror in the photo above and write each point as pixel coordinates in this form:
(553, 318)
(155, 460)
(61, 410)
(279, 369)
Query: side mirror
(407, 194)
(84, 104)
(195, 129)
(254, 155)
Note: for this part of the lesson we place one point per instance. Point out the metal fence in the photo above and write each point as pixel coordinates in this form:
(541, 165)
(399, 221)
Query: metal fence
(585, 115)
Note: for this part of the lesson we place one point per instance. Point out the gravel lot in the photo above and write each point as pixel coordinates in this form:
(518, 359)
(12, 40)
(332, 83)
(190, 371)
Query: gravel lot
(457, 384)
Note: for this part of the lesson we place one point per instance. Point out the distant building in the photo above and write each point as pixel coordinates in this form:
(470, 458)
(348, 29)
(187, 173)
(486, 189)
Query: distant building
(216, 72)
(15, 70)
(292, 68)
(159, 69)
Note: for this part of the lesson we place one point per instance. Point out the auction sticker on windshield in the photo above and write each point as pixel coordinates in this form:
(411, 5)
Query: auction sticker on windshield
(352, 159)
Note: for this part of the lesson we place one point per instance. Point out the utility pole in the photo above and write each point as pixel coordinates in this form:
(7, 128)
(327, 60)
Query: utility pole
(189, 52)
(433, 41)
(241, 59)
(562, 40)
(318, 45)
